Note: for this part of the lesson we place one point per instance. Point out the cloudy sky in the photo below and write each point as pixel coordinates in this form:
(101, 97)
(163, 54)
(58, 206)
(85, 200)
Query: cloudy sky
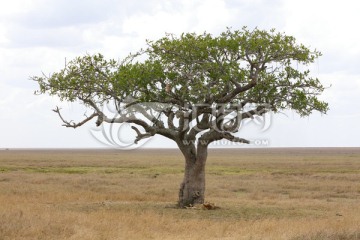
(37, 35)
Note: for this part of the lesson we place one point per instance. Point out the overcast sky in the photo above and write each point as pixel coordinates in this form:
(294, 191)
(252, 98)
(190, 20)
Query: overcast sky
(37, 35)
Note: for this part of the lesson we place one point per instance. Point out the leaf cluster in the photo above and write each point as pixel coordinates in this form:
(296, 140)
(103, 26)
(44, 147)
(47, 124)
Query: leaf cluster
(235, 67)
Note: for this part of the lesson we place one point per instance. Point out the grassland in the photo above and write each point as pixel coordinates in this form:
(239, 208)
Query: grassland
(108, 194)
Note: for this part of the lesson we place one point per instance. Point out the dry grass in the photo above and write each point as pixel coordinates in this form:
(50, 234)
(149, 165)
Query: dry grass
(263, 194)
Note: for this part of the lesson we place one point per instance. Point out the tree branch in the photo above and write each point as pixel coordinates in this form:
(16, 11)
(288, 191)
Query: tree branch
(170, 115)
(232, 138)
(141, 135)
(260, 110)
(199, 127)
(71, 123)
(236, 91)
(214, 135)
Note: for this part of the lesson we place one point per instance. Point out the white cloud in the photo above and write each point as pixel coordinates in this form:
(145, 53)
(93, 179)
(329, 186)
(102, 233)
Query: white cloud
(145, 26)
(21, 37)
(329, 26)
(343, 95)
(18, 64)
(15, 7)
(66, 13)
(27, 121)
(208, 15)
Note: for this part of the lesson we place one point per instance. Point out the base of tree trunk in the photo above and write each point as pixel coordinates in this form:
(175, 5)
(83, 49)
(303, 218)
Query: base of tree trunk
(189, 196)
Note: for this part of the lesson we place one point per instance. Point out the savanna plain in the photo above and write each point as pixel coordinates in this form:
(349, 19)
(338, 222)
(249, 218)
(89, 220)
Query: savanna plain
(271, 193)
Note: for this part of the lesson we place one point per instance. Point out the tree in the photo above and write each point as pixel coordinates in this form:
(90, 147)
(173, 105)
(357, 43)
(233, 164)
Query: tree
(200, 86)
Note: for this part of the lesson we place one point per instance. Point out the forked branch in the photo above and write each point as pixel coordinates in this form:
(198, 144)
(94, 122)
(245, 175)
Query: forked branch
(71, 123)
(140, 135)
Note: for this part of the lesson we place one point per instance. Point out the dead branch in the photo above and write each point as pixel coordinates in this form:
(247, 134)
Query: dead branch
(71, 123)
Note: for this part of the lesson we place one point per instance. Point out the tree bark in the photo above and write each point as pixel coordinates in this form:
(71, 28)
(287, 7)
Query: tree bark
(192, 189)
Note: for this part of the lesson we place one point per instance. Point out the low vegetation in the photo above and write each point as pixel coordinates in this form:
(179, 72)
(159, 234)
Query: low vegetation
(108, 194)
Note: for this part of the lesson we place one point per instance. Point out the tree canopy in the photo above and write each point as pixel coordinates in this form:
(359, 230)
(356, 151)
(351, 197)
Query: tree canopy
(210, 75)
(193, 89)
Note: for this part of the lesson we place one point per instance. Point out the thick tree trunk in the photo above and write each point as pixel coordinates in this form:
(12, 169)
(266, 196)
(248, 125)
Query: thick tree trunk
(192, 189)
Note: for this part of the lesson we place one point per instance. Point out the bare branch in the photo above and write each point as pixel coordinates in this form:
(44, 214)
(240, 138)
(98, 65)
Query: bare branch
(71, 123)
(214, 135)
(260, 110)
(233, 124)
(171, 116)
(232, 138)
(200, 126)
(150, 117)
(231, 95)
(141, 135)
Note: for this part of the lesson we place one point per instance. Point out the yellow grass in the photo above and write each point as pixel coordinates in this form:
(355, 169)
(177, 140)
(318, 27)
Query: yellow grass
(109, 194)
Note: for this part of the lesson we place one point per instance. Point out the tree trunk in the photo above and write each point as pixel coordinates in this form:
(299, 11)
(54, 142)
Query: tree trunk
(192, 189)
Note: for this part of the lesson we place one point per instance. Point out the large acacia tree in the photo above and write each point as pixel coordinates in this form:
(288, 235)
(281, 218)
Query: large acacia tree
(193, 89)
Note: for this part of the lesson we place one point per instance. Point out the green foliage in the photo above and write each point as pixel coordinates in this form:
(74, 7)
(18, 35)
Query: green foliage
(83, 78)
(243, 66)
